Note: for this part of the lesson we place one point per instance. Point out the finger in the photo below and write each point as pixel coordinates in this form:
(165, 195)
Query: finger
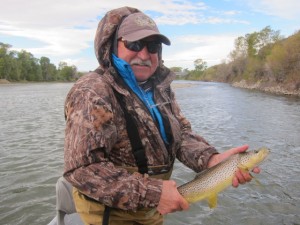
(247, 176)
(235, 182)
(240, 177)
(184, 204)
(244, 177)
(256, 170)
(240, 149)
(236, 150)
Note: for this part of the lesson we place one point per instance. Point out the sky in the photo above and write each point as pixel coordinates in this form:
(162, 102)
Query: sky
(64, 30)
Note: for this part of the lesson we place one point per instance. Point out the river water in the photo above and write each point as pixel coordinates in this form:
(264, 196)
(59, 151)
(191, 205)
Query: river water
(31, 152)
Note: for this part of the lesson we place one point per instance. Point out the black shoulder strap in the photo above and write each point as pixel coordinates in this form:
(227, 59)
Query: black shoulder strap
(133, 134)
(136, 144)
(106, 215)
(135, 140)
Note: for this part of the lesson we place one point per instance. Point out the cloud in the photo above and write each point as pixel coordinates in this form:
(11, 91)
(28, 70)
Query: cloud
(64, 30)
(231, 12)
(211, 48)
(288, 9)
(49, 13)
(187, 13)
(67, 27)
(55, 41)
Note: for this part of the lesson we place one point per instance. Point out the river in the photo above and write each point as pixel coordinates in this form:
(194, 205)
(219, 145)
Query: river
(31, 152)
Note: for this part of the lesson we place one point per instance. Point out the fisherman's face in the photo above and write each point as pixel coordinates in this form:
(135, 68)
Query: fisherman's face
(143, 63)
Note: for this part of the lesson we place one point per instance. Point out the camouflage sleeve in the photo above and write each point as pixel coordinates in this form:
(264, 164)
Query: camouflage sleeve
(116, 187)
(195, 151)
(89, 136)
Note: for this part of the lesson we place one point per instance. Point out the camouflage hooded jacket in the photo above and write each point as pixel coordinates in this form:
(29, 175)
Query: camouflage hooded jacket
(97, 147)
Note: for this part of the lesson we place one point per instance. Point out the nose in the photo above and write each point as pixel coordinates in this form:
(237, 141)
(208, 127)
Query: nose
(144, 54)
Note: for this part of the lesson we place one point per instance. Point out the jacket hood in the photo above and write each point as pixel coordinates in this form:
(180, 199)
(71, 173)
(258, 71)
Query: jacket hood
(104, 41)
(105, 33)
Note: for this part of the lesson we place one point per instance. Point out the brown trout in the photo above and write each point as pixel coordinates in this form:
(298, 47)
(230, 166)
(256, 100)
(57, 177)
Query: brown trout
(208, 183)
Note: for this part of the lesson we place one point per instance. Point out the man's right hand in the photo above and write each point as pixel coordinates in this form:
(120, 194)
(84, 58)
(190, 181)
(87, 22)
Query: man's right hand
(170, 200)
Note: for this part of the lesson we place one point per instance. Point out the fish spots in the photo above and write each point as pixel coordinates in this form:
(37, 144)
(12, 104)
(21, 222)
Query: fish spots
(215, 179)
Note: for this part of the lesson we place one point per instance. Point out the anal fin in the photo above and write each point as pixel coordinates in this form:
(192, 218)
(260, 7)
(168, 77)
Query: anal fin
(243, 168)
(212, 201)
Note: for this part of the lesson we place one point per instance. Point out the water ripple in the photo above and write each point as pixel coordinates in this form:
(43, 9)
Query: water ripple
(31, 152)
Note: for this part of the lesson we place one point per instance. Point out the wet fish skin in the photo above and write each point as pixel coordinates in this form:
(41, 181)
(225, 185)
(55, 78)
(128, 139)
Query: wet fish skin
(208, 183)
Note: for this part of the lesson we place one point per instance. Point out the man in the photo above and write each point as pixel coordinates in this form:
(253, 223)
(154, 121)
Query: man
(124, 129)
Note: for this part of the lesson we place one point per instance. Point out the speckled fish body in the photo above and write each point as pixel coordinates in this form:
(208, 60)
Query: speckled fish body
(210, 182)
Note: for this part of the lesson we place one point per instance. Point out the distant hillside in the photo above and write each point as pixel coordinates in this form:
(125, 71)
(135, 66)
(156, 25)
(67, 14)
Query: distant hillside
(261, 60)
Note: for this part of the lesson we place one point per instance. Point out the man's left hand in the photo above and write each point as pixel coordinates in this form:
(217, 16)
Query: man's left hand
(241, 177)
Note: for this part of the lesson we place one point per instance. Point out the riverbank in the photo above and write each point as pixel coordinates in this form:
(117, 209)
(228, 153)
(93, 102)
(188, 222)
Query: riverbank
(260, 86)
(4, 81)
(241, 84)
(174, 84)
(181, 85)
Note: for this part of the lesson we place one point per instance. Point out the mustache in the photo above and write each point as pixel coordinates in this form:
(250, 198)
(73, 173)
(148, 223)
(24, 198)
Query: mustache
(140, 62)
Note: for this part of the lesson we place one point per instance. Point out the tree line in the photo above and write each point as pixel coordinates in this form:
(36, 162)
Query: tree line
(264, 56)
(23, 66)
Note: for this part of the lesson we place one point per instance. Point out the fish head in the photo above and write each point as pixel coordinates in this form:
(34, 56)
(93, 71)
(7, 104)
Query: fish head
(250, 159)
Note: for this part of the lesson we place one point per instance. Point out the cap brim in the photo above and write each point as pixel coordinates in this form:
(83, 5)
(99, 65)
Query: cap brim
(141, 34)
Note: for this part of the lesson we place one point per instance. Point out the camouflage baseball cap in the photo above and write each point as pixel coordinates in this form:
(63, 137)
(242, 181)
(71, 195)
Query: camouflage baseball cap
(137, 26)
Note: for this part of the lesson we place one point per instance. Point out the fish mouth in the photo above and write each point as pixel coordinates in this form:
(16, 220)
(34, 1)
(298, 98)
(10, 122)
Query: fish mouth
(262, 152)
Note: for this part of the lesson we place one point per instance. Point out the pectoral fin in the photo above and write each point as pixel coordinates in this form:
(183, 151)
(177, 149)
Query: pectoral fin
(212, 201)
(243, 168)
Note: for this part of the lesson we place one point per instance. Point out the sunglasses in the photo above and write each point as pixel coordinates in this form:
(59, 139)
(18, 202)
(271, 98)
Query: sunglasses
(136, 46)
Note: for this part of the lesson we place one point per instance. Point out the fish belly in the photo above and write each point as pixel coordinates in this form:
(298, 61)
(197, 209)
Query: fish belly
(193, 194)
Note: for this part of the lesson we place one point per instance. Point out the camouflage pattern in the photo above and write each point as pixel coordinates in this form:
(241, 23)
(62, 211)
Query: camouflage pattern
(97, 148)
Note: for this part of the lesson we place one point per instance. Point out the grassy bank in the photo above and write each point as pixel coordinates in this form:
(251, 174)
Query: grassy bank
(4, 81)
